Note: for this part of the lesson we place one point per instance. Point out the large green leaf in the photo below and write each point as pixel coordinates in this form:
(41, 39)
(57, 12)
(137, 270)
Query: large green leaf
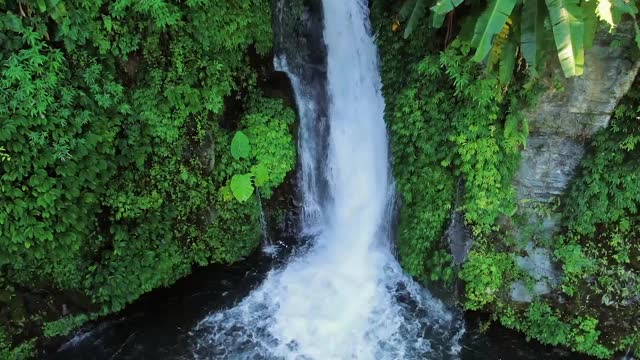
(42, 5)
(507, 61)
(241, 187)
(568, 32)
(532, 32)
(416, 15)
(443, 7)
(603, 10)
(589, 9)
(499, 42)
(240, 147)
(437, 20)
(621, 7)
(489, 24)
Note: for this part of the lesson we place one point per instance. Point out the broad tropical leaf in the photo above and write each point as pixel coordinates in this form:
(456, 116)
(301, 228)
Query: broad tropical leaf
(621, 7)
(240, 147)
(568, 33)
(42, 5)
(241, 187)
(416, 15)
(507, 61)
(532, 32)
(489, 24)
(590, 22)
(603, 10)
(437, 20)
(443, 7)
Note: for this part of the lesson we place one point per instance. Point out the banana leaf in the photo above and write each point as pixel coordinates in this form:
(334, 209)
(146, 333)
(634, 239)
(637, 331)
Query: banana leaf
(407, 9)
(590, 22)
(532, 35)
(443, 7)
(416, 15)
(568, 32)
(507, 61)
(489, 24)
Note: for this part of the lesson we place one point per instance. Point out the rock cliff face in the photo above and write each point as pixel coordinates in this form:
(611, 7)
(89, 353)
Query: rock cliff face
(561, 123)
(563, 120)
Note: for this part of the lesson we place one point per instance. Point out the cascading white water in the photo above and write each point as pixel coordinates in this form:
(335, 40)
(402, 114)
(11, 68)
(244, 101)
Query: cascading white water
(346, 297)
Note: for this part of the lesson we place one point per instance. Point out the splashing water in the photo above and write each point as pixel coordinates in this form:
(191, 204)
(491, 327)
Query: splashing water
(346, 297)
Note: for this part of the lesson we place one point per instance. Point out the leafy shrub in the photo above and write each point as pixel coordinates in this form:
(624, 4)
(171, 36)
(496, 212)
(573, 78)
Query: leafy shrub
(601, 212)
(65, 325)
(23, 351)
(544, 324)
(484, 276)
(575, 264)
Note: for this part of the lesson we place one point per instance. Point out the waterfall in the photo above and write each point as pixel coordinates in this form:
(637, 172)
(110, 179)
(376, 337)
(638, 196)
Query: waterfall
(265, 237)
(346, 297)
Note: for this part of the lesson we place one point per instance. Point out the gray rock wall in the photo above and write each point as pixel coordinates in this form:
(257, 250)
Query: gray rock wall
(562, 121)
(561, 124)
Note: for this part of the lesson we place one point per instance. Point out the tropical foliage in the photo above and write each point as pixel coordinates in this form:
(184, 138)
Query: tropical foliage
(456, 133)
(117, 147)
(447, 120)
(504, 28)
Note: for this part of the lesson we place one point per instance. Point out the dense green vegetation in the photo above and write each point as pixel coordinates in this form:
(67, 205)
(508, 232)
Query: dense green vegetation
(117, 173)
(451, 118)
(447, 119)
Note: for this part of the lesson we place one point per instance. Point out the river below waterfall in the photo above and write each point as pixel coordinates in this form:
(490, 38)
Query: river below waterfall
(160, 325)
(341, 294)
